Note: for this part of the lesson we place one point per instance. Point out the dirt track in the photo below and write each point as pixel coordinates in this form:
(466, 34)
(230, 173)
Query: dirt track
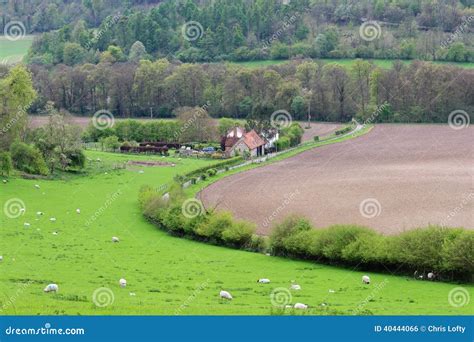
(419, 174)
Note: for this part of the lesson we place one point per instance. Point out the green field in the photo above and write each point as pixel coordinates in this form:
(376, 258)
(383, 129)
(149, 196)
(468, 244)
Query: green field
(165, 274)
(14, 51)
(383, 63)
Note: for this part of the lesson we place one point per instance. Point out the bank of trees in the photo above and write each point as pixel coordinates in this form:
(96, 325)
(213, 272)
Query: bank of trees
(242, 30)
(418, 92)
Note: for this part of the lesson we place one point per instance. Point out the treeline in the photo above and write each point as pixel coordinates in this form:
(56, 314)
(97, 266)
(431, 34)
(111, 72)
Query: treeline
(446, 252)
(242, 30)
(418, 92)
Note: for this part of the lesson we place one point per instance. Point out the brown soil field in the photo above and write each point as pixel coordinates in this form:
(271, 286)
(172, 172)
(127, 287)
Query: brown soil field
(395, 178)
(320, 129)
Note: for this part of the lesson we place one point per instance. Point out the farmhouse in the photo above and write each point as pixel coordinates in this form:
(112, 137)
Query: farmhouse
(238, 142)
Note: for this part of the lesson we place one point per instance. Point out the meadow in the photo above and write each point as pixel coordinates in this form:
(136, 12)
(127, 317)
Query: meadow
(14, 51)
(165, 274)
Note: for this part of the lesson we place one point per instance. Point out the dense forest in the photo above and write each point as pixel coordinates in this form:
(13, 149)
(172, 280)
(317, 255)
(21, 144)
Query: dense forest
(418, 92)
(245, 30)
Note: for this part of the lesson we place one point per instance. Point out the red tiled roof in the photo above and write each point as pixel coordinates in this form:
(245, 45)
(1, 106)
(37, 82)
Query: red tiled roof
(253, 140)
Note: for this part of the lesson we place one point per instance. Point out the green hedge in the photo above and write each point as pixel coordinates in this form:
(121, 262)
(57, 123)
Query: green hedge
(205, 169)
(446, 251)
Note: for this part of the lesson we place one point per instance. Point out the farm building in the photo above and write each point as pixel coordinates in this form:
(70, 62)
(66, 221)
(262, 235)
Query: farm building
(238, 141)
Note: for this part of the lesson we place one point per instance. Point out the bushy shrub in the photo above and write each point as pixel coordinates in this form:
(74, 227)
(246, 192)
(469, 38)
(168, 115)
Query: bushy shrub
(151, 202)
(283, 143)
(343, 130)
(302, 244)
(215, 226)
(288, 227)
(211, 172)
(28, 158)
(366, 249)
(257, 243)
(203, 176)
(238, 234)
(6, 164)
(458, 253)
(316, 138)
(174, 220)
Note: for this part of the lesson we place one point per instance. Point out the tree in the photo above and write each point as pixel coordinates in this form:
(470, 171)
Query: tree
(137, 52)
(111, 143)
(6, 164)
(196, 125)
(73, 54)
(225, 125)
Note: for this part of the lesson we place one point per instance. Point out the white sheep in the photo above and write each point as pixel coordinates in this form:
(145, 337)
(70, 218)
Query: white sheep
(37, 186)
(366, 279)
(4, 181)
(27, 225)
(1, 257)
(78, 211)
(300, 306)
(431, 275)
(225, 295)
(122, 282)
(55, 233)
(39, 213)
(115, 239)
(53, 219)
(263, 281)
(295, 287)
(51, 288)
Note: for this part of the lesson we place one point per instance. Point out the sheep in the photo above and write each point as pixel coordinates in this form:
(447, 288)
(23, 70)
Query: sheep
(366, 279)
(115, 239)
(4, 181)
(295, 287)
(141, 171)
(300, 306)
(122, 282)
(331, 291)
(27, 225)
(39, 213)
(53, 219)
(37, 186)
(263, 281)
(225, 295)
(1, 257)
(78, 211)
(51, 288)
(55, 233)
(431, 275)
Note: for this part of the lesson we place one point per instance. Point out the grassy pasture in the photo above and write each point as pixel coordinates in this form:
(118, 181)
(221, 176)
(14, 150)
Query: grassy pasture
(165, 274)
(347, 62)
(14, 51)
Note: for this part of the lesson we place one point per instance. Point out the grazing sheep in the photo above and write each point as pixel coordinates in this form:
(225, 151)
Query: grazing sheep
(366, 279)
(295, 287)
(300, 306)
(55, 233)
(39, 213)
(37, 186)
(1, 257)
(53, 219)
(4, 181)
(431, 275)
(78, 211)
(26, 224)
(115, 239)
(122, 282)
(331, 291)
(51, 288)
(225, 295)
(263, 281)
